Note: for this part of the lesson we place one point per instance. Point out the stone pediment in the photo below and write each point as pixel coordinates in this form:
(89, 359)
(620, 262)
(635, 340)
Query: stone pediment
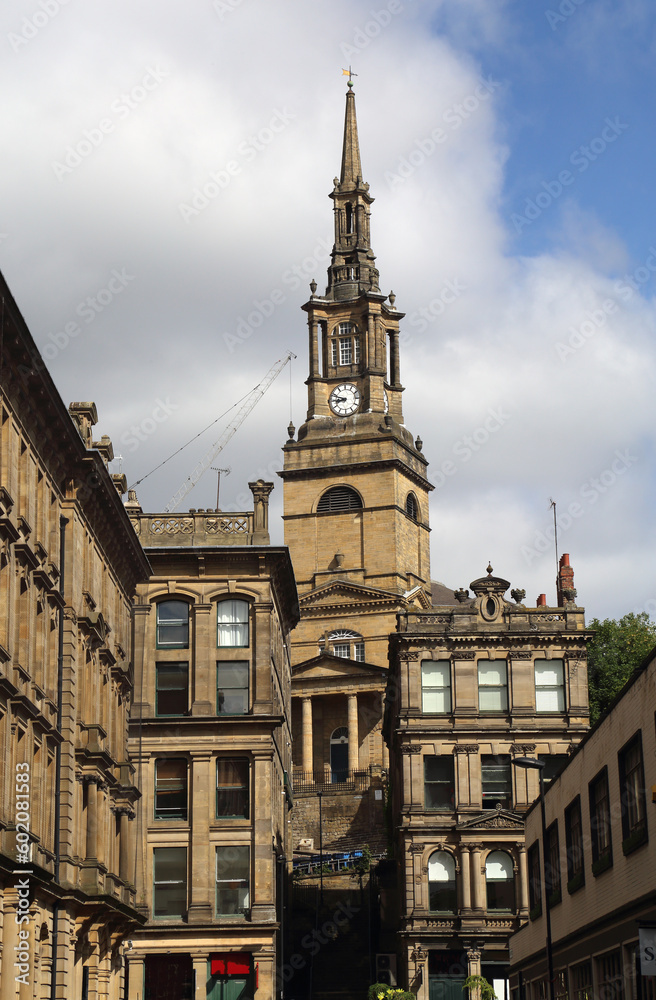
(326, 666)
(340, 592)
(493, 819)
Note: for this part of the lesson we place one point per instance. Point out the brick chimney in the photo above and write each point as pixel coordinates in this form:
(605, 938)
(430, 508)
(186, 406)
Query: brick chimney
(565, 583)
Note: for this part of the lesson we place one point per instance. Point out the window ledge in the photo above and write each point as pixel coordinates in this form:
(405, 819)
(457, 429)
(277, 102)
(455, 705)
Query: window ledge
(636, 839)
(576, 882)
(602, 864)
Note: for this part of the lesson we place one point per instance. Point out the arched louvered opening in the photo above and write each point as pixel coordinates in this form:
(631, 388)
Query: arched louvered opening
(346, 643)
(412, 507)
(338, 499)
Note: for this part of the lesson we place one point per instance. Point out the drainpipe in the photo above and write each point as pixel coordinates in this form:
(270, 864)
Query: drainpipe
(63, 521)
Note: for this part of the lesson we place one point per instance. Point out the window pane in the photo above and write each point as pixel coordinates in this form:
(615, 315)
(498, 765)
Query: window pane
(232, 619)
(232, 880)
(436, 686)
(492, 686)
(173, 625)
(442, 882)
(171, 789)
(356, 350)
(496, 781)
(171, 696)
(232, 788)
(169, 881)
(549, 686)
(232, 688)
(439, 785)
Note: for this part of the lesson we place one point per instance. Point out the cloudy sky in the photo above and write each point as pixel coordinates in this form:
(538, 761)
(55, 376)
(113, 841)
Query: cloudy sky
(163, 208)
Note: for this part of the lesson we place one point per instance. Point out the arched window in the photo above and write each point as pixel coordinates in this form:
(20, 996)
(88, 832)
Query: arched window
(173, 625)
(232, 623)
(442, 882)
(412, 507)
(344, 642)
(500, 881)
(338, 499)
(339, 755)
(345, 339)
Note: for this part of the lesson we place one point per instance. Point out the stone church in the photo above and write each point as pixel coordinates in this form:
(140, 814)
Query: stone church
(356, 521)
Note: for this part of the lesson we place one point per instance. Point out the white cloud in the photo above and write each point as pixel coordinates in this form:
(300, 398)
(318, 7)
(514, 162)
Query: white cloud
(495, 346)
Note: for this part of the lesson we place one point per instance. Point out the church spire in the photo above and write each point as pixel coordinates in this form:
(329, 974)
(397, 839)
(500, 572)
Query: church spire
(352, 269)
(351, 166)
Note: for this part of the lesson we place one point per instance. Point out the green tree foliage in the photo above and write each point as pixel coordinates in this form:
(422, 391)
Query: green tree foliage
(616, 650)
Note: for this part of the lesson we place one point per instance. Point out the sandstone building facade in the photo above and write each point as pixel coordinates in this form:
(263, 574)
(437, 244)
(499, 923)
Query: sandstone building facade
(469, 688)
(601, 854)
(211, 743)
(69, 565)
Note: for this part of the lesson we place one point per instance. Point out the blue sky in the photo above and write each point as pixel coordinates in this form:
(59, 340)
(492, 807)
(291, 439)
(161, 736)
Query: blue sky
(116, 116)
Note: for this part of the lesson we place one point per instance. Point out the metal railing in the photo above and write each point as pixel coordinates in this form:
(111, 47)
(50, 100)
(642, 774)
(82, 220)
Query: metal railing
(335, 781)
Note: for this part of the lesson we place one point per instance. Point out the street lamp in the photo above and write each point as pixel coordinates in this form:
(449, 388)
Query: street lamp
(534, 763)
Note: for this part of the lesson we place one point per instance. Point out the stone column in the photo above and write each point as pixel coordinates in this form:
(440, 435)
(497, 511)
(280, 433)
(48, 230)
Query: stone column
(136, 979)
(92, 819)
(465, 882)
(8, 985)
(473, 962)
(308, 763)
(313, 327)
(263, 865)
(395, 362)
(260, 491)
(202, 796)
(353, 736)
(199, 963)
(144, 688)
(476, 885)
(262, 696)
(203, 659)
(523, 882)
(123, 847)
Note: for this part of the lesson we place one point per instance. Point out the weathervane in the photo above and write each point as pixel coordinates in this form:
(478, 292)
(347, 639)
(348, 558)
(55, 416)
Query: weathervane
(349, 73)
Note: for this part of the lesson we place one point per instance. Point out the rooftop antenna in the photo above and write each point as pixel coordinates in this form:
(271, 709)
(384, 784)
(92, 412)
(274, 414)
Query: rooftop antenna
(552, 504)
(226, 472)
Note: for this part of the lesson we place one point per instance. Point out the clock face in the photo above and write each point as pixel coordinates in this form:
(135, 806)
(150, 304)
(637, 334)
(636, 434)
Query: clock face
(344, 399)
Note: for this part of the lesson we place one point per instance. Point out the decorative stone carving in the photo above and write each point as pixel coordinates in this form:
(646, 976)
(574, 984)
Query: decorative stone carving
(520, 654)
(522, 748)
(518, 596)
(412, 748)
(466, 748)
(416, 848)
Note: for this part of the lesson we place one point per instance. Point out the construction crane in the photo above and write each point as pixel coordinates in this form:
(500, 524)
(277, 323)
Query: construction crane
(251, 400)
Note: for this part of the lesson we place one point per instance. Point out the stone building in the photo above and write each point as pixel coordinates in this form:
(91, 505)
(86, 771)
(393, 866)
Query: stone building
(355, 507)
(601, 857)
(211, 742)
(470, 687)
(69, 565)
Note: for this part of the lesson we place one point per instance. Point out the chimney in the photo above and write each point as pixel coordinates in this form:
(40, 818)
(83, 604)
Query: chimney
(565, 582)
(541, 601)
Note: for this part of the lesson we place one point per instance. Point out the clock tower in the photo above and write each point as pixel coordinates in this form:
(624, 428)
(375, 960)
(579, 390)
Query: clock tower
(355, 495)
